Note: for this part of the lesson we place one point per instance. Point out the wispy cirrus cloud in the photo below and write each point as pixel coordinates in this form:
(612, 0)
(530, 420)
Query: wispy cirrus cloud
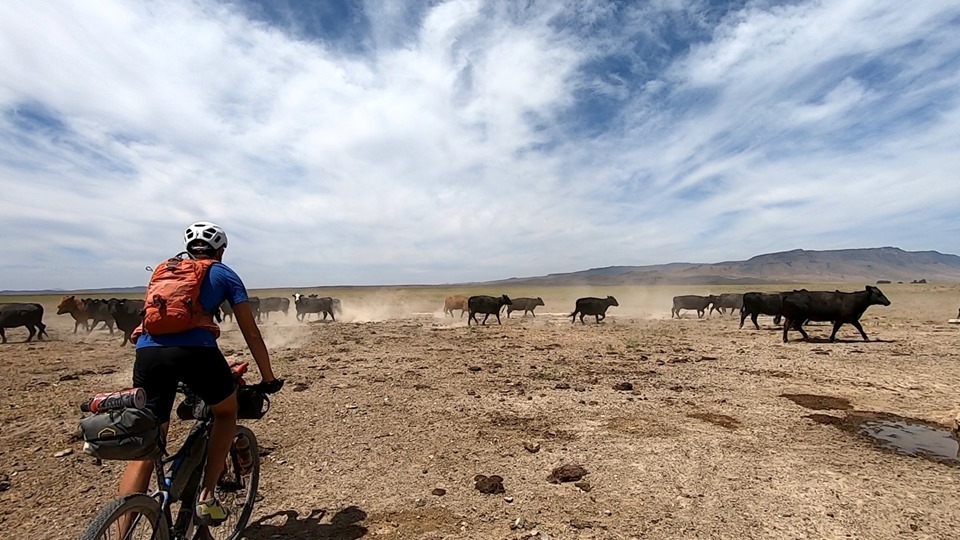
(395, 142)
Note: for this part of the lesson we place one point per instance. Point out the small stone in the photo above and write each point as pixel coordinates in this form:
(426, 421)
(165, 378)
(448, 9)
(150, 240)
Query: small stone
(471, 392)
(580, 388)
(584, 486)
(532, 447)
(562, 386)
(64, 453)
(581, 524)
(474, 368)
(508, 499)
(439, 492)
(419, 503)
(566, 473)
(68, 377)
(623, 386)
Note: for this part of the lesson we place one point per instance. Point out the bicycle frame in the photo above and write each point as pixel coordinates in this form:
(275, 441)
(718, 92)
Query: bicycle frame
(196, 441)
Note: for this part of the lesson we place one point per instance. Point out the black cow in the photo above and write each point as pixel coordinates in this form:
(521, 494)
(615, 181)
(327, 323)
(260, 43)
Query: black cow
(488, 305)
(128, 314)
(255, 306)
(838, 307)
(692, 301)
(757, 303)
(226, 310)
(274, 303)
(593, 306)
(525, 305)
(17, 315)
(312, 304)
(730, 301)
(99, 310)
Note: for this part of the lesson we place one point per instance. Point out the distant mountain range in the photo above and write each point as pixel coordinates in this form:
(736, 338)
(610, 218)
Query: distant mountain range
(867, 265)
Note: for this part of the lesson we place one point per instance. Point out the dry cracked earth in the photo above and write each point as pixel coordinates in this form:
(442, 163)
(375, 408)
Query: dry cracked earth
(686, 428)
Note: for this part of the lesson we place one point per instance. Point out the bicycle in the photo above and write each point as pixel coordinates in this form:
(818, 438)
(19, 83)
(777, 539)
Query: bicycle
(179, 476)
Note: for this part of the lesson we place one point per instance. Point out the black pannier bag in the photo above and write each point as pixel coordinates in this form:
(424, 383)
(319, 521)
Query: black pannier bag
(125, 435)
(251, 403)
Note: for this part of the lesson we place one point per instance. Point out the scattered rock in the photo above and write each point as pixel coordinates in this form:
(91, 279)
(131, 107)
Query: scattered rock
(581, 524)
(532, 447)
(566, 473)
(562, 386)
(471, 392)
(439, 492)
(474, 368)
(522, 524)
(624, 386)
(508, 499)
(4, 482)
(300, 387)
(584, 486)
(580, 388)
(64, 453)
(68, 377)
(489, 484)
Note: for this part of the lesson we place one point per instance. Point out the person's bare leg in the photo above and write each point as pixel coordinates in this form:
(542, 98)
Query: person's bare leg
(221, 437)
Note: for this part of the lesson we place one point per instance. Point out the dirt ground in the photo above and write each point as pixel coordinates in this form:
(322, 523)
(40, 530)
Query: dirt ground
(396, 400)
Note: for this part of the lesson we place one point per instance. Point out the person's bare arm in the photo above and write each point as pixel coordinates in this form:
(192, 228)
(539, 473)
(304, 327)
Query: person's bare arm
(251, 334)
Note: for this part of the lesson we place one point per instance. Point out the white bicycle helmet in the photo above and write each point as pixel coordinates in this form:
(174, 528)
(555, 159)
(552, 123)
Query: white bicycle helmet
(211, 233)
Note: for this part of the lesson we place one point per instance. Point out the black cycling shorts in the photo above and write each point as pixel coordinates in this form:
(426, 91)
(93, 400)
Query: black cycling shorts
(203, 369)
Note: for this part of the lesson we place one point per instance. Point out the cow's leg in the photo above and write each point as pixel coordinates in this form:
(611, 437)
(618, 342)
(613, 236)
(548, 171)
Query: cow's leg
(43, 331)
(110, 325)
(798, 326)
(32, 330)
(3, 337)
(498, 318)
(786, 328)
(856, 324)
(596, 316)
(581, 317)
(471, 317)
(776, 319)
(701, 313)
(332, 318)
(743, 317)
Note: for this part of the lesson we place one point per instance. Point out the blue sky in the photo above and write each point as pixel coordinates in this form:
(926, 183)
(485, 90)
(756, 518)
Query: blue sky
(433, 142)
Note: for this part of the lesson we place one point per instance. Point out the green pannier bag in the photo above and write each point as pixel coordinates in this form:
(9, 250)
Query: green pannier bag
(125, 435)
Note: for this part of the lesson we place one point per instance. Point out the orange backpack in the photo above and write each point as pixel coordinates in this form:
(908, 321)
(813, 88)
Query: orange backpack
(172, 302)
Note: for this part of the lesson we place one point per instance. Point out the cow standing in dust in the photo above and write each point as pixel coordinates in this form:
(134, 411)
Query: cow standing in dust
(488, 305)
(757, 303)
(451, 303)
(729, 301)
(77, 310)
(835, 306)
(692, 301)
(593, 306)
(525, 305)
(274, 303)
(311, 304)
(27, 315)
(128, 314)
(99, 311)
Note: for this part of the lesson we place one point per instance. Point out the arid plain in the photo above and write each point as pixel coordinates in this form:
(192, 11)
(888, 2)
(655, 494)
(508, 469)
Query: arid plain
(726, 432)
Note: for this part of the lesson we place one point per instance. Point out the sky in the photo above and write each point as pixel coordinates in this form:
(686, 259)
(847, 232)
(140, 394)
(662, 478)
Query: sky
(400, 142)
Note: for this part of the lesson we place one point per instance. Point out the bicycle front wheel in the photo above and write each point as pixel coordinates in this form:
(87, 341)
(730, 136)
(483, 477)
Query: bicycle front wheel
(131, 517)
(237, 490)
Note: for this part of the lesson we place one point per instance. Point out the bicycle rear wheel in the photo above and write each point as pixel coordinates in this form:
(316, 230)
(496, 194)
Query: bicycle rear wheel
(128, 518)
(236, 492)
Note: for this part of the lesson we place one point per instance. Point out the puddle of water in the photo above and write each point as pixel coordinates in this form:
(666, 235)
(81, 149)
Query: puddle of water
(913, 439)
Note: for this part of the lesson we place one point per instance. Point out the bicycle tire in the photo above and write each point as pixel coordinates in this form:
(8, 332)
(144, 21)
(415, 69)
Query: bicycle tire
(148, 507)
(240, 505)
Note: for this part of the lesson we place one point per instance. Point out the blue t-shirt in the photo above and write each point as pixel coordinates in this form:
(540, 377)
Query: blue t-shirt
(221, 284)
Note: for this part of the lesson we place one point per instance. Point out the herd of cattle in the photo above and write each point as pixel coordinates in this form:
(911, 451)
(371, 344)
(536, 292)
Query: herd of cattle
(492, 305)
(795, 307)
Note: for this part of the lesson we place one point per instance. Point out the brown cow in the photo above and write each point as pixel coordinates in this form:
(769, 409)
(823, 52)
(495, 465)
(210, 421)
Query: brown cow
(455, 302)
(77, 309)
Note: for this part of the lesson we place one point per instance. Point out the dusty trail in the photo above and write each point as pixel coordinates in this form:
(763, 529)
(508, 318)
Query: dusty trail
(384, 407)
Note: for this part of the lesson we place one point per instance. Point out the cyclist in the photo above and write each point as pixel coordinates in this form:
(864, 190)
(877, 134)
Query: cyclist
(192, 357)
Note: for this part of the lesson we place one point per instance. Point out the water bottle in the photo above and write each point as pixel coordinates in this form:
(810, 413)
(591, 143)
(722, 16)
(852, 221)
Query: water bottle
(111, 401)
(244, 455)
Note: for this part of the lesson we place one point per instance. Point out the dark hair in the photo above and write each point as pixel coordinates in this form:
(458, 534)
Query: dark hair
(199, 247)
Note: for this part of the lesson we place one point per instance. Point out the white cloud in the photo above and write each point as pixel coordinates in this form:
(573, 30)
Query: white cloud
(454, 149)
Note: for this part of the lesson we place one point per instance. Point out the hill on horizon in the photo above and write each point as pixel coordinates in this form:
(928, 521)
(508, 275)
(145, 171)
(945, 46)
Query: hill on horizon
(862, 265)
